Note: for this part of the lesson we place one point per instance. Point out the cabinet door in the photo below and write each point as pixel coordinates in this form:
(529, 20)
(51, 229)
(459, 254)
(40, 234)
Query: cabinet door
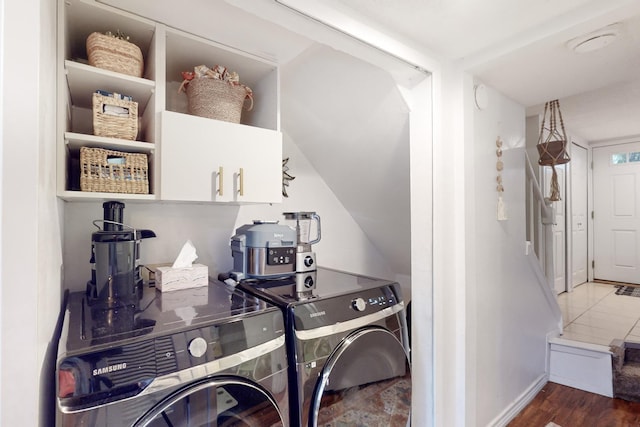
(210, 160)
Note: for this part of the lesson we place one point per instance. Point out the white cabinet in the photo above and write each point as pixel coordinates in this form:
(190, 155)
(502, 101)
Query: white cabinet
(209, 160)
(189, 157)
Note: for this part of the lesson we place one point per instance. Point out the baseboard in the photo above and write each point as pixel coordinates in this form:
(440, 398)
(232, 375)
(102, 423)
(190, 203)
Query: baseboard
(610, 282)
(520, 403)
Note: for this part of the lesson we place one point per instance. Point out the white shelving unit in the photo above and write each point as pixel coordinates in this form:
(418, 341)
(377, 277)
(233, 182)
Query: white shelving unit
(166, 52)
(78, 81)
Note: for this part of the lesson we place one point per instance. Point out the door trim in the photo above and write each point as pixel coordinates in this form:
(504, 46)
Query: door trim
(569, 224)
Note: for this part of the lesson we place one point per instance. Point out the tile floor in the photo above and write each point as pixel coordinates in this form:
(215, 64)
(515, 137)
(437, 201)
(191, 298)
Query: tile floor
(593, 313)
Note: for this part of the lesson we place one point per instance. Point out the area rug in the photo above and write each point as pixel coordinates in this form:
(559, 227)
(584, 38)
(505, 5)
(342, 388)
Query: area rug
(384, 404)
(632, 291)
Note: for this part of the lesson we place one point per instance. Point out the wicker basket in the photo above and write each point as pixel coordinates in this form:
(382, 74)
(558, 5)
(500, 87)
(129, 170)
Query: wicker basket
(216, 99)
(114, 54)
(125, 127)
(108, 171)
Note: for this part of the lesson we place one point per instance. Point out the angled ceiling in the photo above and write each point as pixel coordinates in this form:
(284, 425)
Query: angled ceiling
(346, 115)
(352, 123)
(520, 49)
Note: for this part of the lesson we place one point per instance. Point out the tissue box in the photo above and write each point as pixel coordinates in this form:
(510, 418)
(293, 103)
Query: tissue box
(172, 279)
(148, 272)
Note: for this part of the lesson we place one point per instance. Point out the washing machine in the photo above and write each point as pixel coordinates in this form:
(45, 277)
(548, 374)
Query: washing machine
(347, 345)
(196, 357)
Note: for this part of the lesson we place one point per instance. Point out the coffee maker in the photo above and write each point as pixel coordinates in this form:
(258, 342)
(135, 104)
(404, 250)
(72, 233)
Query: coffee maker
(115, 261)
(305, 257)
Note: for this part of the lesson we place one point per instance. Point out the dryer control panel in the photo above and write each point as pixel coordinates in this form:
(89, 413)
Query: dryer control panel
(343, 308)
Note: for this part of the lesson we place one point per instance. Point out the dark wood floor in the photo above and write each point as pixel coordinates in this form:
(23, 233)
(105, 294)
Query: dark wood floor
(569, 407)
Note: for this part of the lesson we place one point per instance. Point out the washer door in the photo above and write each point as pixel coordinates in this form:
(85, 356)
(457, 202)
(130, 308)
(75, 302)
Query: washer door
(365, 381)
(216, 402)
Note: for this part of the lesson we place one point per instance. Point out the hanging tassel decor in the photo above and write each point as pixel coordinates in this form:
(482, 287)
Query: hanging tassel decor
(552, 145)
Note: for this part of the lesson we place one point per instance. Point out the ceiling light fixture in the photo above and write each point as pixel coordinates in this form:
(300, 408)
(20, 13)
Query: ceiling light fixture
(595, 40)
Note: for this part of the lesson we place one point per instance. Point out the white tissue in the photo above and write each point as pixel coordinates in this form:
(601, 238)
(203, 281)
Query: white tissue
(186, 256)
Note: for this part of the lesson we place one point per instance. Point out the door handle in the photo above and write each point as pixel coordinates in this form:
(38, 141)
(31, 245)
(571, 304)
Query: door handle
(241, 179)
(220, 189)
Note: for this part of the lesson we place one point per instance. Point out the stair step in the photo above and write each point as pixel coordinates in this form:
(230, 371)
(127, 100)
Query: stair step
(626, 383)
(632, 352)
(581, 365)
(626, 371)
(631, 370)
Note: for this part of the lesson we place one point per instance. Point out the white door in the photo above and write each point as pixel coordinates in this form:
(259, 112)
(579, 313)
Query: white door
(616, 188)
(559, 246)
(579, 214)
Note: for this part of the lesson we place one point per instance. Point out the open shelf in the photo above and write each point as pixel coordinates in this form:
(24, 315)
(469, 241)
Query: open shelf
(77, 140)
(88, 195)
(185, 51)
(84, 80)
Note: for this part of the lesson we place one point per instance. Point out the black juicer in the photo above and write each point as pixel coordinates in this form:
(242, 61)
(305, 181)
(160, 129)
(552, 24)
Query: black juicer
(115, 261)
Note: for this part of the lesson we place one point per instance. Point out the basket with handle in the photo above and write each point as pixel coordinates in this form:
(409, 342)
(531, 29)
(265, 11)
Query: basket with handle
(217, 99)
(109, 171)
(115, 54)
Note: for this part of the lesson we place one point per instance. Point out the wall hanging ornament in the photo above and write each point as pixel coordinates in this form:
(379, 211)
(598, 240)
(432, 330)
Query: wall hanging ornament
(502, 211)
(286, 177)
(552, 145)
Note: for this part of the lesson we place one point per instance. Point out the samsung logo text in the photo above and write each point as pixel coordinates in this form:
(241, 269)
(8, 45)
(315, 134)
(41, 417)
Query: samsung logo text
(110, 368)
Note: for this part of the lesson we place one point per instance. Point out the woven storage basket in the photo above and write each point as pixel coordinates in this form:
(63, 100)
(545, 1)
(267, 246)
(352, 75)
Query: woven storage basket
(216, 99)
(114, 54)
(108, 171)
(114, 126)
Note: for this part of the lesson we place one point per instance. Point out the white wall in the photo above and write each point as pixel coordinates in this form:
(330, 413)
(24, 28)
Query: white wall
(209, 226)
(509, 316)
(449, 210)
(344, 245)
(30, 287)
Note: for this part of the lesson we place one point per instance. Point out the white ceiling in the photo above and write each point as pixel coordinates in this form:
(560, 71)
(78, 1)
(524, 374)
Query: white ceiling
(520, 49)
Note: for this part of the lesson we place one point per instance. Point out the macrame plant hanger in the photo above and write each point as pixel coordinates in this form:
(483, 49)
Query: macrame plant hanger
(552, 148)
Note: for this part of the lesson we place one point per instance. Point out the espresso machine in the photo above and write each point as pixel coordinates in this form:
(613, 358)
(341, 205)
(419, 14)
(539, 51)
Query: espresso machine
(115, 261)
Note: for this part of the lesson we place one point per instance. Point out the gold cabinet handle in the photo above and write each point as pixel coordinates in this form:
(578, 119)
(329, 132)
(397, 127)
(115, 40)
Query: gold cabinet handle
(241, 181)
(220, 189)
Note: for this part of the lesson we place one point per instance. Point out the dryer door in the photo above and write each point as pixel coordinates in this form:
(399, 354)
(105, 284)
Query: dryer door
(365, 381)
(216, 402)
